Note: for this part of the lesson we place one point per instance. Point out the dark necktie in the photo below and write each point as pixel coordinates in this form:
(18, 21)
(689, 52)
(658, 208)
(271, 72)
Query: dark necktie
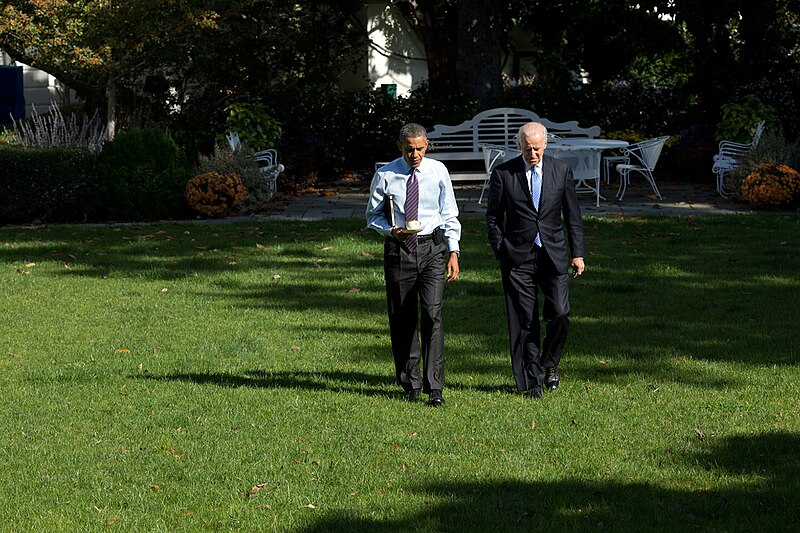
(412, 207)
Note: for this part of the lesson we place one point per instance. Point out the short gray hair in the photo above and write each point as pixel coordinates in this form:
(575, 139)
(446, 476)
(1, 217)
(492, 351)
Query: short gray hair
(531, 128)
(412, 130)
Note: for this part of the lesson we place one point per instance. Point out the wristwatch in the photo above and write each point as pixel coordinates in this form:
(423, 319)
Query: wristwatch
(458, 253)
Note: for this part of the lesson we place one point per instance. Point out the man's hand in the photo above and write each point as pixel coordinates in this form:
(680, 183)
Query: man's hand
(578, 266)
(399, 234)
(452, 267)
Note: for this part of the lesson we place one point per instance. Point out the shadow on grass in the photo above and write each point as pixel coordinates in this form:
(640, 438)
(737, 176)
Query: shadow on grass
(350, 382)
(174, 251)
(762, 496)
(358, 383)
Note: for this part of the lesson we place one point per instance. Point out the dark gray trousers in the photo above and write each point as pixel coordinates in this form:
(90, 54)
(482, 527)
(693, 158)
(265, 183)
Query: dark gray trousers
(522, 286)
(414, 293)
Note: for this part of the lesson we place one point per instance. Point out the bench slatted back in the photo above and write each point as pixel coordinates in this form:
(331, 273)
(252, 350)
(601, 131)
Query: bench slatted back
(497, 127)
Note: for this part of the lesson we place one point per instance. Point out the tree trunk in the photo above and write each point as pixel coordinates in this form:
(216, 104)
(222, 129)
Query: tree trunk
(111, 101)
(437, 21)
(462, 45)
(478, 67)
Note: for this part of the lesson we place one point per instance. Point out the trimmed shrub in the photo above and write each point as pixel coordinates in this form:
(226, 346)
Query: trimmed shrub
(47, 184)
(144, 175)
(254, 125)
(214, 194)
(772, 187)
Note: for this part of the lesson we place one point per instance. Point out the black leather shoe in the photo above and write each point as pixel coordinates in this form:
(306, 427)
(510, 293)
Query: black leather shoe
(551, 378)
(412, 395)
(536, 393)
(436, 398)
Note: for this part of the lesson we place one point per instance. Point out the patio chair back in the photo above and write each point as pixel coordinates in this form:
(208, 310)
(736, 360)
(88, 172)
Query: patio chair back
(494, 155)
(267, 161)
(648, 151)
(730, 154)
(759, 132)
(643, 158)
(233, 141)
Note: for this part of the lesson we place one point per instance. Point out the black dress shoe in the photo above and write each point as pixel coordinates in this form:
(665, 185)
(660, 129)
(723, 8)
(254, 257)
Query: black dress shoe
(435, 399)
(536, 393)
(551, 378)
(412, 395)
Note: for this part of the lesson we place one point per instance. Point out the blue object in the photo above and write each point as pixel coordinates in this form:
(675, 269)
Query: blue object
(12, 97)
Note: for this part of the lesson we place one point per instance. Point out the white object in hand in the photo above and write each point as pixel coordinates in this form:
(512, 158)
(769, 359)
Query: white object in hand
(413, 225)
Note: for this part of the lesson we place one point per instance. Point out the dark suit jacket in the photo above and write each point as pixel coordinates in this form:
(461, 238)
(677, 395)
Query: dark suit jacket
(512, 221)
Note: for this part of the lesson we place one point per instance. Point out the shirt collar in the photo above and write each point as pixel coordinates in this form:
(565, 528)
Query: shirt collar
(538, 167)
(407, 167)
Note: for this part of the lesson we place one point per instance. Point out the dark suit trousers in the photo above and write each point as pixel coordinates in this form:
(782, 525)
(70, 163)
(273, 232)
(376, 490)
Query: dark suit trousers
(522, 286)
(414, 293)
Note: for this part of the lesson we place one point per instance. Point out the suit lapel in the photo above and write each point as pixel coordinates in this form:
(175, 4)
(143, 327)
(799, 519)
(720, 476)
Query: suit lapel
(520, 174)
(548, 181)
(522, 177)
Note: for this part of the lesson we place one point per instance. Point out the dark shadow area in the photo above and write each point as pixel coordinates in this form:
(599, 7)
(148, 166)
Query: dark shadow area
(765, 499)
(174, 251)
(322, 381)
(349, 382)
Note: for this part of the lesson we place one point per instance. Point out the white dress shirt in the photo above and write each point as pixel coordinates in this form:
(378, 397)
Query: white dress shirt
(437, 202)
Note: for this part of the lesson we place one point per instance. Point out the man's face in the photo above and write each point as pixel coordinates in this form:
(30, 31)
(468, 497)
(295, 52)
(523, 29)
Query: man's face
(413, 150)
(532, 146)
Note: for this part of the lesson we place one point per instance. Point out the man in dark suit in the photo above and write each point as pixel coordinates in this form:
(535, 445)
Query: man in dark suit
(528, 196)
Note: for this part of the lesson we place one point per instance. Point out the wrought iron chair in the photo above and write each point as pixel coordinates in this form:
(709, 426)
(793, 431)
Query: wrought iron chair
(493, 155)
(267, 161)
(643, 157)
(611, 161)
(729, 156)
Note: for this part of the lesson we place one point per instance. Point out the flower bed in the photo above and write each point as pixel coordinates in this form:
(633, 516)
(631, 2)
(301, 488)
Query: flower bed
(214, 194)
(772, 187)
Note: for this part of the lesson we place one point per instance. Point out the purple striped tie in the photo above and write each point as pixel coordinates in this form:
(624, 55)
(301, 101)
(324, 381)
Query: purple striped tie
(412, 207)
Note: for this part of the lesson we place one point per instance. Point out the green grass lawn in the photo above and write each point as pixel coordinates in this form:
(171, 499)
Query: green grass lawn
(239, 376)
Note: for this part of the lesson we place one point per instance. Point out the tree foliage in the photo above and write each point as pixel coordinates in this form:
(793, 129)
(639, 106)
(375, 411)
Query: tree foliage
(219, 49)
(654, 66)
(98, 47)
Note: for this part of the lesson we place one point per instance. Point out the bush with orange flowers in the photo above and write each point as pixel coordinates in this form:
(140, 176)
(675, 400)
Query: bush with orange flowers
(214, 194)
(772, 187)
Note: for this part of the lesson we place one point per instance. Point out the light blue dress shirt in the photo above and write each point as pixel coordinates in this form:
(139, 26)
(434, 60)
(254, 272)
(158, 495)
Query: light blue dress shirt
(437, 202)
(528, 174)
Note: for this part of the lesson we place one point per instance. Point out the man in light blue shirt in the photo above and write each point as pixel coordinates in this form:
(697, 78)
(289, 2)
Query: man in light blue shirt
(412, 204)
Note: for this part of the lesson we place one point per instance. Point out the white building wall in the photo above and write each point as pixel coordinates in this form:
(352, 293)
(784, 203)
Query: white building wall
(40, 88)
(395, 55)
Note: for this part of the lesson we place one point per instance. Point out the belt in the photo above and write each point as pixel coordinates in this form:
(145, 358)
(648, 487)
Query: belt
(423, 238)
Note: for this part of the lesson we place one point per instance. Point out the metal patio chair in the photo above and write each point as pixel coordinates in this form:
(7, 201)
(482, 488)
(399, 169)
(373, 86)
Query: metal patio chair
(643, 157)
(730, 155)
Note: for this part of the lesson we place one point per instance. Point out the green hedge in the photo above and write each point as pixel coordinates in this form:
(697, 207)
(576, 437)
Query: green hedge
(139, 175)
(47, 184)
(143, 175)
